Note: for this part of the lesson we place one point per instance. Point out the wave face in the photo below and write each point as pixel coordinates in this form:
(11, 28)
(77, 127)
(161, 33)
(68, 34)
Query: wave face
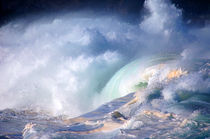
(66, 64)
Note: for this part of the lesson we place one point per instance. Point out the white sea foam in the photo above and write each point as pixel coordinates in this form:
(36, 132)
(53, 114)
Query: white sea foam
(61, 65)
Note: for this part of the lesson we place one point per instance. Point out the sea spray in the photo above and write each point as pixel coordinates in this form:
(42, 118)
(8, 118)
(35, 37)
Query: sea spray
(63, 64)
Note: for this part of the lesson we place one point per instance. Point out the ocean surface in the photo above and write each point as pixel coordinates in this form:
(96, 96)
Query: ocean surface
(81, 75)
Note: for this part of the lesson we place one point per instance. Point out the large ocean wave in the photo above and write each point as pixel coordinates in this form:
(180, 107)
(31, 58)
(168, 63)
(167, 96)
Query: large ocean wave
(66, 64)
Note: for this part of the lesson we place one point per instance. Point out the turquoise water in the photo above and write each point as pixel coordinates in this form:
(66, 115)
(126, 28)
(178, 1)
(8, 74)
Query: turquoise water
(151, 115)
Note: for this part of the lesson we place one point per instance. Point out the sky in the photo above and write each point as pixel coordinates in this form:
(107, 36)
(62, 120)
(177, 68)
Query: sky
(198, 11)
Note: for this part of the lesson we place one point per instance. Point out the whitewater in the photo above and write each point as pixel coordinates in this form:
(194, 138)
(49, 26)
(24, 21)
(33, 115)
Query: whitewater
(78, 75)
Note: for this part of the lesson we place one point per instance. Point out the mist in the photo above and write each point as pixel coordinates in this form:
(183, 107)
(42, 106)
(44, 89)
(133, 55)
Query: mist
(61, 63)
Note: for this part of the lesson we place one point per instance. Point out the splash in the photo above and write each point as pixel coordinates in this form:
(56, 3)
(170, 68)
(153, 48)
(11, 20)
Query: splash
(52, 67)
(67, 64)
(176, 73)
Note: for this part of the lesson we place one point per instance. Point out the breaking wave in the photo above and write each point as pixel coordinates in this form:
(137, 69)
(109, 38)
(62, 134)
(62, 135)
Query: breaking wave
(67, 64)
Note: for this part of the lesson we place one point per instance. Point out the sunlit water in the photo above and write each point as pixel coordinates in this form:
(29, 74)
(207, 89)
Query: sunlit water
(55, 69)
